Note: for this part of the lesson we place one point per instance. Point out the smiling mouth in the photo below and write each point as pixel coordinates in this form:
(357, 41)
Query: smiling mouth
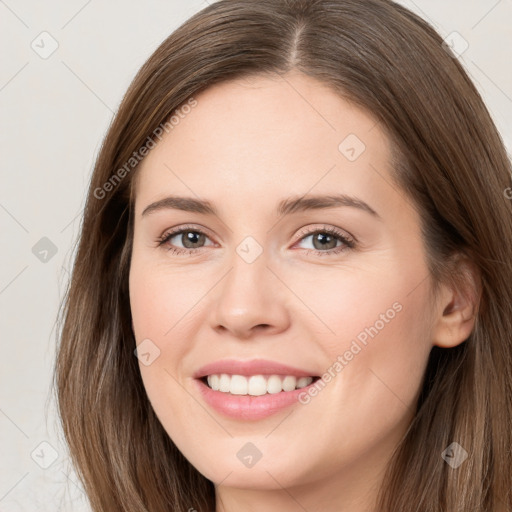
(256, 385)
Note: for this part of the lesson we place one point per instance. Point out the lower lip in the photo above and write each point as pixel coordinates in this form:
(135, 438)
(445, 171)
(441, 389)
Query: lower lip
(246, 407)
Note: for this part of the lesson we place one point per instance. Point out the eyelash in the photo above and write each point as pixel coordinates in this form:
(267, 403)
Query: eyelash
(349, 242)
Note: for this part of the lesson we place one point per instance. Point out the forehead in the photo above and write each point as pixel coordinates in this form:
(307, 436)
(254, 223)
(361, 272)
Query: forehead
(265, 134)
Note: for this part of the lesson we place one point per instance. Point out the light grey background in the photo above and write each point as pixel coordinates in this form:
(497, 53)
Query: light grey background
(55, 109)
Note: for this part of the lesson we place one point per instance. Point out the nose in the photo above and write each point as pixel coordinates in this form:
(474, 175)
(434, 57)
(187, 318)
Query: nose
(250, 300)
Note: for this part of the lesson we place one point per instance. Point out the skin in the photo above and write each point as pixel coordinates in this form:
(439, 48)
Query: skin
(247, 145)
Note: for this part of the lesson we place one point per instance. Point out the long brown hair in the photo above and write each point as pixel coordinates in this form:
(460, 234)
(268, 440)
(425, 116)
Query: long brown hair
(449, 160)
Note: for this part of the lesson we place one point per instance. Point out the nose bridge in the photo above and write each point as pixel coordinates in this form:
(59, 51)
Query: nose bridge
(248, 294)
(247, 281)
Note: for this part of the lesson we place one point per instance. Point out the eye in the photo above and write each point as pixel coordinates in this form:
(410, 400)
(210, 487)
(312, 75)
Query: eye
(191, 238)
(325, 240)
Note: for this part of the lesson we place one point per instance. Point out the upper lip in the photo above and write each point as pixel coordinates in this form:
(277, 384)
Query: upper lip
(252, 367)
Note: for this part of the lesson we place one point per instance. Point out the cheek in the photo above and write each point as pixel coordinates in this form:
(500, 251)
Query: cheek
(158, 302)
(162, 300)
(378, 343)
(379, 355)
(164, 305)
(347, 304)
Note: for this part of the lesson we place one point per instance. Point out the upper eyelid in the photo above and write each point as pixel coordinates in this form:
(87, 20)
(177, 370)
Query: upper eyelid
(186, 227)
(303, 232)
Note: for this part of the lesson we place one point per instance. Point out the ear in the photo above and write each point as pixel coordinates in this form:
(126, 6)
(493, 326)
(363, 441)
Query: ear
(457, 305)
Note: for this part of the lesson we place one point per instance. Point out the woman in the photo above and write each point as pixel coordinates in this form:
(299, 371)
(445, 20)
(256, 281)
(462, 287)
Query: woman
(275, 371)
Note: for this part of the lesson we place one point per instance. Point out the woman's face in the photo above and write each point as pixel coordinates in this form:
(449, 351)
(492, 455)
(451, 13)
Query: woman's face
(290, 169)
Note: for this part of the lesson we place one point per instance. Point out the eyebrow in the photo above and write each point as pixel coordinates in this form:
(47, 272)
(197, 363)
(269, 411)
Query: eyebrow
(285, 207)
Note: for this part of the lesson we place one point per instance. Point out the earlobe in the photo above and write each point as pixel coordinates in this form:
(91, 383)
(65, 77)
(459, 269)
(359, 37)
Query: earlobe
(457, 307)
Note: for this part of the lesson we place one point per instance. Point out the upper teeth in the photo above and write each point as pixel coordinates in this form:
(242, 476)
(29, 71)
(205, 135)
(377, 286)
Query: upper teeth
(256, 385)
